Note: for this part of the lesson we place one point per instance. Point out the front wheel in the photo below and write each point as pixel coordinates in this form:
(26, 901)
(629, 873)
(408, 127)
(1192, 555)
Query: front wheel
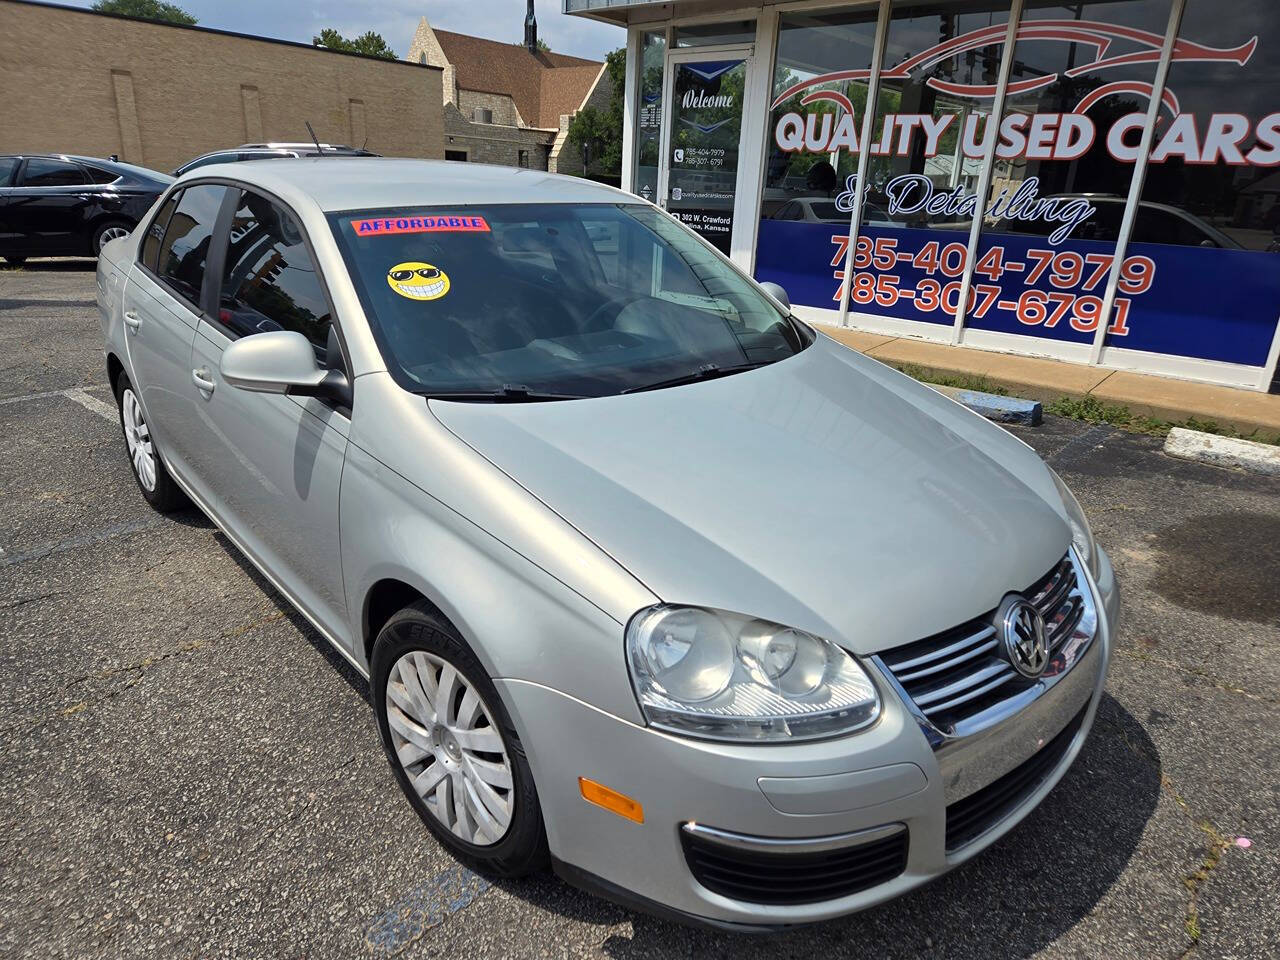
(149, 470)
(15, 261)
(453, 749)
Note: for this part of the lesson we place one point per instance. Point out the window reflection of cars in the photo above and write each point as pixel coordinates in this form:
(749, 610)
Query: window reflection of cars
(1155, 223)
(820, 210)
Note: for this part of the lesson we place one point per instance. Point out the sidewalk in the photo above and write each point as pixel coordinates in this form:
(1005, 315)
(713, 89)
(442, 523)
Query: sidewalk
(1251, 413)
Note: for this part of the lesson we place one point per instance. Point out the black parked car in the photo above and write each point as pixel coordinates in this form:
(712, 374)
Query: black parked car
(58, 205)
(272, 151)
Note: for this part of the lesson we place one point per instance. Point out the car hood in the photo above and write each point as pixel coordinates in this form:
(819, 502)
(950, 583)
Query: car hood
(825, 492)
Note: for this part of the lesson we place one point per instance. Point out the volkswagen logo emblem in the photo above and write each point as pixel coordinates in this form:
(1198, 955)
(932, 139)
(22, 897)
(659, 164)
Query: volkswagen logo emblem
(1021, 630)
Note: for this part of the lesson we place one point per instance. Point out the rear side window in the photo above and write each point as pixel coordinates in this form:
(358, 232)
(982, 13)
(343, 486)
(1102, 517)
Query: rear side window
(270, 281)
(42, 172)
(7, 166)
(185, 247)
(98, 175)
(155, 233)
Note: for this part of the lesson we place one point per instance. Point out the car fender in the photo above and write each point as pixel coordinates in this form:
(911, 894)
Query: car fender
(521, 621)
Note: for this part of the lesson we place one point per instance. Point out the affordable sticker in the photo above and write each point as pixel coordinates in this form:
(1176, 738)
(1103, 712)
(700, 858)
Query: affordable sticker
(441, 224)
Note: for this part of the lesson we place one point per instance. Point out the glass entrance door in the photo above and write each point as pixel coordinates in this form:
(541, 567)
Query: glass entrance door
(702, 138)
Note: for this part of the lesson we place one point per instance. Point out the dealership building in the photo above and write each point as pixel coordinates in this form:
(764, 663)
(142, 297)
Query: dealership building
(1095, 181)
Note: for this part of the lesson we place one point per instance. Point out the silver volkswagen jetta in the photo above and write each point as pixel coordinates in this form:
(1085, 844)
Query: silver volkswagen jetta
(652, 582)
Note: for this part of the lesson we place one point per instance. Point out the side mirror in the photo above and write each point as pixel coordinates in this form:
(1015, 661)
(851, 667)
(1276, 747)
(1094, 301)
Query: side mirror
(281, 361)
(776, 291)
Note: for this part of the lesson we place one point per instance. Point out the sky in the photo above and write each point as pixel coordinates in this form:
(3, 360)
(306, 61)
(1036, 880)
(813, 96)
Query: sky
(397, 19)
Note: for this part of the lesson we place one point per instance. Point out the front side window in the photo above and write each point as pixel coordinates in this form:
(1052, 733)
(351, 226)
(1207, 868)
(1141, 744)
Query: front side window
(270, 281)
(7, 166)
(42, 172)
(580, 300)
(185, 247)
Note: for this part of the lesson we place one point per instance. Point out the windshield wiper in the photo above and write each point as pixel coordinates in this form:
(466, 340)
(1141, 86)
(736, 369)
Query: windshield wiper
(507, 393)
(708, 371)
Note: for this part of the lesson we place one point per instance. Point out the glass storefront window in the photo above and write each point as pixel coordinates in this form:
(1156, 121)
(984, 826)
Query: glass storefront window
(941, 64)
(653, 48)
(1077, 99)
(812, 148)
(716, 34)
(1209, 221)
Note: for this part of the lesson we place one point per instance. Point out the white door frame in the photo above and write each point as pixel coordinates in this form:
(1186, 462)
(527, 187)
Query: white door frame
(742, 239)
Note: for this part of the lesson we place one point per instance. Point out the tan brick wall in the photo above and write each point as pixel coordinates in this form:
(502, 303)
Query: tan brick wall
(76, 82)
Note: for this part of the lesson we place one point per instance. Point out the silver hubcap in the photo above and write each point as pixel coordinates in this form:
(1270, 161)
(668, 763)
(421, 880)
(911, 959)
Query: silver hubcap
(109, 234)
(138, 438)
(449, 746)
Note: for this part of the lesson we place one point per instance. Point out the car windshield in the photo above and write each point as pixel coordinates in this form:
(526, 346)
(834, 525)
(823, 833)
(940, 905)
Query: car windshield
(571, 300)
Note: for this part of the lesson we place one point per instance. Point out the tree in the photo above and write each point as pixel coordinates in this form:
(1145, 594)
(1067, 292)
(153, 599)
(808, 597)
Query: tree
(598, 133)
(147, 10)
(369, 43)
(543, 46)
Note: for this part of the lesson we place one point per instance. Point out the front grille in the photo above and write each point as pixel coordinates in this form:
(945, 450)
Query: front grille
(972, 816)
(790, 878)
(959, 673)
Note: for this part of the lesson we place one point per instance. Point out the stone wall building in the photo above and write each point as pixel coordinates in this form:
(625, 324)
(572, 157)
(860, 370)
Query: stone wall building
(159, 94)
(509, 103)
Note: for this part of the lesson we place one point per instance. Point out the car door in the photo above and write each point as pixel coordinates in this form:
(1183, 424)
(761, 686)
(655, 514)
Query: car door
(8, 168)
(164, 296)
(269, 465)
(47, 207)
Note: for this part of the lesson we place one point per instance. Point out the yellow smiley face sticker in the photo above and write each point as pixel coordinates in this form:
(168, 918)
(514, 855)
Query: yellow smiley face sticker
(418, 281)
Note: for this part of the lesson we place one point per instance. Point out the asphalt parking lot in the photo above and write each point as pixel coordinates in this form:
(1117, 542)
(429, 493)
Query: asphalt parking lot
(186, 770)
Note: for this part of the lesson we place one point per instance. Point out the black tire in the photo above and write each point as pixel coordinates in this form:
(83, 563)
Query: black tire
(16, 261)
(96, 241)
(164, 495)
(523, 848)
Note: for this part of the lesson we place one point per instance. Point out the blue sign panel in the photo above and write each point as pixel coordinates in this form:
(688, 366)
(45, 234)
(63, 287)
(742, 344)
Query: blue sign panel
(1200, 302)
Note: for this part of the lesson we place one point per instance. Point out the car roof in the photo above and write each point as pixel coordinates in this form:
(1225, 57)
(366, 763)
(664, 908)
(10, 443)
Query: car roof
(359, 183)
(117, 166)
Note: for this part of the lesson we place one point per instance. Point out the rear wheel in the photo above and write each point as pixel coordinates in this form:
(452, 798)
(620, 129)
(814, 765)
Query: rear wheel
(16, 261)
(454, 751)
(106, 232)
(148, 469)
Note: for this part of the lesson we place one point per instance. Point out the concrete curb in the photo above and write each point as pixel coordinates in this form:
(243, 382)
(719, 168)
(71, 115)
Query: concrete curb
(1223, 451)
(997, 408)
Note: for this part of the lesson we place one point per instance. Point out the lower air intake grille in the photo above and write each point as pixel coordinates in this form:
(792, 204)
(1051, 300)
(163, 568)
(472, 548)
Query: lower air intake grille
(790, 878)
(972, 816)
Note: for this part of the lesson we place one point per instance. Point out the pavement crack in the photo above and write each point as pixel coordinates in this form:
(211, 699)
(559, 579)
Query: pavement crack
(134, 672)
(1217, 844)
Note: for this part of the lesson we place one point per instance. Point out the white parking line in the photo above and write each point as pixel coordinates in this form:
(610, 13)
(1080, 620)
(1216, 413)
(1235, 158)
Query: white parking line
(78, 394)
(92, 403)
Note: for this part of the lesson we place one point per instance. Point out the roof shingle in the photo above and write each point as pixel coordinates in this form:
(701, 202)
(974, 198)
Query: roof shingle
(543, 85)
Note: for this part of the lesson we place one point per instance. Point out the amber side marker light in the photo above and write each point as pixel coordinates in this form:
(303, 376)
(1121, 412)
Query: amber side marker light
(611, 800)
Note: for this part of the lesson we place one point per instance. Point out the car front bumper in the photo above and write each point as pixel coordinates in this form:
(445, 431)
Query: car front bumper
(878, 780)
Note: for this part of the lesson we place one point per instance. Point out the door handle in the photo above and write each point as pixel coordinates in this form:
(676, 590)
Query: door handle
(132, 320)
(201, 379)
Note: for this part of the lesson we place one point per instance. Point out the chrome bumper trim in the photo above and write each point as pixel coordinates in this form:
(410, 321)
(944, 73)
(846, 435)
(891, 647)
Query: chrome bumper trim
(785, 845)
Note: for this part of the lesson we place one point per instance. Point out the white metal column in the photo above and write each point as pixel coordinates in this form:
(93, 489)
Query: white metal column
(990, 139)
(864, 158)
(631, 107)
(753, 146)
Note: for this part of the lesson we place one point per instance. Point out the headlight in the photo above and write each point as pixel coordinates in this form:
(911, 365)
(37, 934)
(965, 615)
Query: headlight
(1081, 535)
(723, 676)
